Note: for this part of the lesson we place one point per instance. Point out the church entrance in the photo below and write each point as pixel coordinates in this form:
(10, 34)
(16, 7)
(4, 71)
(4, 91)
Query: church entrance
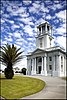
(39, 69)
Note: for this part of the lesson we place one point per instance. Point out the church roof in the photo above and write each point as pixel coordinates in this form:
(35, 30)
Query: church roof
(43, 24)
(38, 50)
(47, 50)
(55, 48)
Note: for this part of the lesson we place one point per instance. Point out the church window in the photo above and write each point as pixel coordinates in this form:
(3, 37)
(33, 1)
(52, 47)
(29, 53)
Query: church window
(61, 60)
(40, 42)
(39, 30)
(50, 67)
(50, 58)
(61, 68)
(43, 28)
(61, 64)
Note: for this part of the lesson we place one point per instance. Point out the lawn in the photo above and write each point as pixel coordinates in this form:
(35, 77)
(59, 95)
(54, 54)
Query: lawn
(20, 86)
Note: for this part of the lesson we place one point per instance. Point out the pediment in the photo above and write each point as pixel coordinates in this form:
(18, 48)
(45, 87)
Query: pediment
(37, 51)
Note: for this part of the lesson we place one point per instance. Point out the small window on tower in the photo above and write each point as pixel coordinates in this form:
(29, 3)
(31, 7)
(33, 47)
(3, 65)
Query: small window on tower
(41, 42)
(48, 28)
(43, 28)
(40, 29)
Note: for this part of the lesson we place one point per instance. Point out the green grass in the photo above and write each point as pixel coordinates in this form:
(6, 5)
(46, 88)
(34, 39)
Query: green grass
(20, 86)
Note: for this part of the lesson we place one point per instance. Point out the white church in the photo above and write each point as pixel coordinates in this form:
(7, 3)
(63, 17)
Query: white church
(46, 60)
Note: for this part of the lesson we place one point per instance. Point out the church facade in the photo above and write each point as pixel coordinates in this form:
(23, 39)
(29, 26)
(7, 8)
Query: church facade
(45, 59)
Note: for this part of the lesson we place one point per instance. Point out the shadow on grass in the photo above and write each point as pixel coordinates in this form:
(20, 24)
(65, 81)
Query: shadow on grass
(3, 78)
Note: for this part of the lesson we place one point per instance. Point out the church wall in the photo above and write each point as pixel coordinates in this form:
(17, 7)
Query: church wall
(46, 41)
(37, 43)
(55, 64)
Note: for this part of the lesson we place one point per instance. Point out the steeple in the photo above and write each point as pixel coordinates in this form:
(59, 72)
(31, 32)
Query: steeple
(44, 36)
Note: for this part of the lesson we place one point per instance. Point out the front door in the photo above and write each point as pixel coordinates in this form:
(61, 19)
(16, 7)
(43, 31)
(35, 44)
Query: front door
(39, 70)
(50, 70)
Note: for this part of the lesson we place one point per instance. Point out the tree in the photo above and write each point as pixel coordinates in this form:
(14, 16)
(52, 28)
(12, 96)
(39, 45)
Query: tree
(24, 71)
(9, 56)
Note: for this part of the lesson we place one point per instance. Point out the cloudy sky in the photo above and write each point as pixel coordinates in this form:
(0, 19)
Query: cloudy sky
(19, 20)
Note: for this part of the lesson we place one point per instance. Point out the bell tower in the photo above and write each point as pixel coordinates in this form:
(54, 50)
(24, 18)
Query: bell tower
(44, 36)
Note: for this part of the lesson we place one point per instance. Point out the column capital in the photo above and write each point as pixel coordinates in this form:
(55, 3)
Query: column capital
(43, 56)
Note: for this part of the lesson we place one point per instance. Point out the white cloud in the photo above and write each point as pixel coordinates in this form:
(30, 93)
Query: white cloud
(17, 34)
(2, 21)
(27, 2)
(26, 20)
(30, 39)
(19, 43)
(36, 5)
(28, 29)
(56, 6)
(48, 17)
(11, 21)
(24, 15)
(61, 15)
(61, 41)
(14, 26)
(32, 10)
(20, 10)
(8, 39)
(40, 21)
(3, 42)
(60, 30)
(57, 1)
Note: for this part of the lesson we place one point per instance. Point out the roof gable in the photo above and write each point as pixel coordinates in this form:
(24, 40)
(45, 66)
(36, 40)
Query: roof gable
(37, 51)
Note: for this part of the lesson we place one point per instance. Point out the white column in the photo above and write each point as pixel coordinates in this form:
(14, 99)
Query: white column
(46, 27)
(42, 71)
(45, 70)
(53, 65)
(63, 65)
(59, 65)
(65, 72)
(41, 30)
(29, 66)
(34, 65)
(37, 31)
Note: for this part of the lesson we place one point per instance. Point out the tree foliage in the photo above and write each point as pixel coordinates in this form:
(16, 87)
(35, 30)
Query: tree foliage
(10, 55)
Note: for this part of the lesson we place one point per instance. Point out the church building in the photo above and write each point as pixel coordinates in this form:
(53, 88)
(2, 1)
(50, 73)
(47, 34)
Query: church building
(45, 59)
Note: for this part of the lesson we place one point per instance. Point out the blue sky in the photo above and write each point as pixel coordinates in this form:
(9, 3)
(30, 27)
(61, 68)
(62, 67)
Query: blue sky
(19, 20)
